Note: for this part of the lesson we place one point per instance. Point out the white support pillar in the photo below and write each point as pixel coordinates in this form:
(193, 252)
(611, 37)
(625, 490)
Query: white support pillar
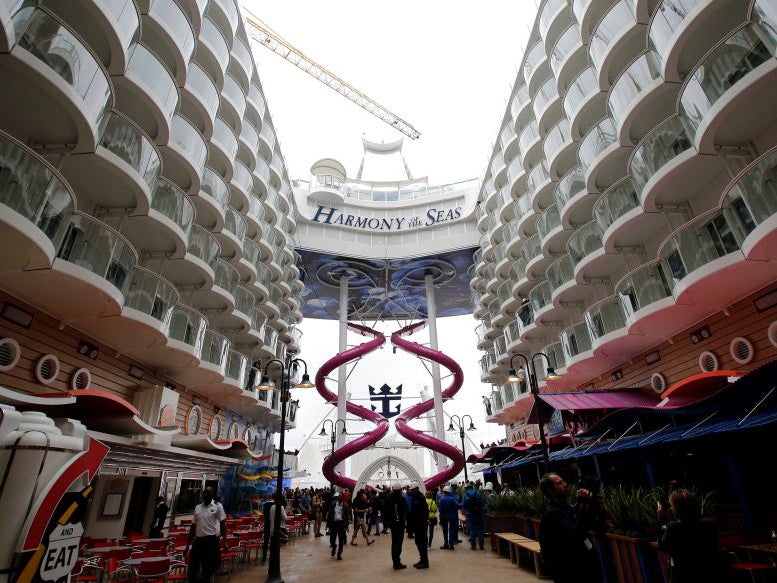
(341, 371)
(431, 317)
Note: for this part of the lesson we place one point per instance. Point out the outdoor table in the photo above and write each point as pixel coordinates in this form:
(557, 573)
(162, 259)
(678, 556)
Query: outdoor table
(148, 540)
(101, 550)
(136, 562)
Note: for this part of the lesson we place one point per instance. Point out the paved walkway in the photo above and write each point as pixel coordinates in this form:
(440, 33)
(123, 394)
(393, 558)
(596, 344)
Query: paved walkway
(307, 560)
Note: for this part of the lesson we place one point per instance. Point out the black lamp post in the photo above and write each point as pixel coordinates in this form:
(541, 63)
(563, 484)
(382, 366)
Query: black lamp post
(287, 369)
(332, 438)
(460, 425)
(531, 373)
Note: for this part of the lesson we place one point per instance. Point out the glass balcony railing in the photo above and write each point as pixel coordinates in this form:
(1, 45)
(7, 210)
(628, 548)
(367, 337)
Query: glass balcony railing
(555, 354)
(548, 220)
(548, 12)
(503, 292)
(186, 137)
(668, 18)
(236, 368)
(268, 134)
(525, 316)
(250, 136)
(173, 203)
(123, 138)
(563, 49)
(270, 338)
(615, 202)
(514, 170)
(243, 56)
(605, 317)
(644, 286)
(596, 141)
(52, 42)
(147, 70)
(204, 246)
(230, 11)
(575, 340)
(199, 84)
(528, 136)
(722, 68)
(523, 207)
(187, 325)
(571, 185)
(560, 272)
(263, 275)
(535, 55)
(251, 251)
(172, 19)
(234, 223)
(212, 37)
(531, 248)
(244, 301)
(585, 241)
(234, 93)
(507, 134)
(214, 186)
(494, 308)
(517, 271)
(579, 8)
(634, 80)
(125, 19)
(242, 177)
(620, 17)
(215, 347)
(225, 138)
(96, 247)
(510, 232)
(30, 187)
(256, 97)
(540, 296)
(512, 333)
(151, 294)
(537, 176)
(547, 93)
(753, 198)
(580, 90)
(227, 277)
(519, 101)
(262, 170)
(667, 141)
(558, 137)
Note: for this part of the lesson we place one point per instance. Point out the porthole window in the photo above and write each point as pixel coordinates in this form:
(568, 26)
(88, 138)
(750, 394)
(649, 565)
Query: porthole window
(47, 369)
(233, 431)
(708, 362)
(10, 353)
(658, 382)
(771, 332)
(193, 420)
(214, 431)
(742, 350)
(81, 379)
(247, 436)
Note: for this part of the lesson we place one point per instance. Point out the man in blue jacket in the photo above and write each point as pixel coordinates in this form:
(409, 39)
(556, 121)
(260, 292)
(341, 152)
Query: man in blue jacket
(475, 509)
(448, 507)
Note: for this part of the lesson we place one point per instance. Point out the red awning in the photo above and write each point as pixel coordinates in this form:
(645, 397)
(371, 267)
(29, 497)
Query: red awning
(603, 400)
(498, 452)
(697, 388)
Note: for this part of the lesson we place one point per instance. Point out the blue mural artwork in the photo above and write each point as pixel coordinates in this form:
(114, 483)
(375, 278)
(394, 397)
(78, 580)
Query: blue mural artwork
(385, 288)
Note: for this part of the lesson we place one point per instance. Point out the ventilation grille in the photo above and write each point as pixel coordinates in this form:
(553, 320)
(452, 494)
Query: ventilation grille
(658, 382)
(81, 379)
(47, 369)
(772, 333)
(742, 350)
(10, 353)
(708, 362)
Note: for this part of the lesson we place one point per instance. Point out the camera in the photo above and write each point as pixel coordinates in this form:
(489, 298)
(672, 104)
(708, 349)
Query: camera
(590, 483)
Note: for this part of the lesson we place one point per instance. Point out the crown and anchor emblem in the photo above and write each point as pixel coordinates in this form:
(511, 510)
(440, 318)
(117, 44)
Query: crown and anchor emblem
(385, 396)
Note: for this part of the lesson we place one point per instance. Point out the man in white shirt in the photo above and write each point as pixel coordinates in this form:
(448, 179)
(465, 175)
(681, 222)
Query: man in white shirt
(209, 522)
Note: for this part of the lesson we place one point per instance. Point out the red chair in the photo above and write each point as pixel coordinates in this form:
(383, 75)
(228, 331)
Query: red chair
(162, 545)
(179, 571)
(251, 541)
(86, 570)
(153, 571)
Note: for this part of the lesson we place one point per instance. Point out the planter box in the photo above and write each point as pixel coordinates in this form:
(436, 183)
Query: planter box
(500, 523)
(634, 560)
(525, 526)
(535, 528)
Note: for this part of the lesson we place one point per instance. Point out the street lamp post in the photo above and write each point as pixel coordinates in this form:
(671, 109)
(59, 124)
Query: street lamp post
(460, 425)
(531, 373)
(333, 426)
(287, 369)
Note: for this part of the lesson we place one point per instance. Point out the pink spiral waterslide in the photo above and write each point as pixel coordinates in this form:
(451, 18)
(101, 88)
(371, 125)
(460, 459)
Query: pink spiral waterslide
(446, 449)
(369, 438)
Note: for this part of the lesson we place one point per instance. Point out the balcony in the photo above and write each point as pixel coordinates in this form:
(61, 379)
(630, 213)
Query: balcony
(167, 30)
(230, 238)
(197, 268)
(241, 64)
(552, 235)
(267, 140)
(262, 175)
(212, 51)
(212, 201)
(225, 14)
(536, 61)
(35, 206)
(233, 104)
(235, 377)
(213, 360)
(560, 150)
(200, 99)
(583, 102)
(725, 99)
(576, 343)
(587, 253)
(184, 343)
(67, 78)
(539, 186)
(185, 154)
(172, 208)
(529, 143)
(607, 324)
(90, 275)
(248, 259)
(560, 276)
(540, 299)
(546, 105)
(222, 149)
(515, 173)
(601, 156)
(248, 145)
(552, 12)
(617, 38)
(256, 105)
(241, 187)
(568, 57)
(572, 198)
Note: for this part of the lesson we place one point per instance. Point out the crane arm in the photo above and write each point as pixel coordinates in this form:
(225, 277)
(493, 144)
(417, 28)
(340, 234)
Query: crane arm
(286, 50)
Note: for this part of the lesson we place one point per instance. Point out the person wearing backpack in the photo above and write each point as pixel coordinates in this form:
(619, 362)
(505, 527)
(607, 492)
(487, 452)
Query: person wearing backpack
(474, 509)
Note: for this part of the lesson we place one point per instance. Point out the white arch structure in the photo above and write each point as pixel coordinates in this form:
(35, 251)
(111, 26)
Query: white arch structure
(396, 462)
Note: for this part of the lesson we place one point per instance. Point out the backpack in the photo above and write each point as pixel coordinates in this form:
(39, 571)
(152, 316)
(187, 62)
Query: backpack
(474, 503)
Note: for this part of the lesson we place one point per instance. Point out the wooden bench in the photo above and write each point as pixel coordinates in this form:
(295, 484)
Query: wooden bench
(519, 547)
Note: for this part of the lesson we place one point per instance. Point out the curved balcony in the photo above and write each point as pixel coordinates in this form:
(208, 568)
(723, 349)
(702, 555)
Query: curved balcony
(148, 93)
(248, 260)
(639, 98)
(552, 235)
(267, 140)
(576, 343)
(65, 77)
(541, 300)
(520, 107)
(222, 149)
(261, 287)
(587, 253)
(213, 360)
(167, 30)
(231, 236)
(185, 154)
(556, 359)
(753, 196)
(245, 302)
(123, 171)
(35, 206)
(256, 105)
(572, 198)
(560, 150)
(569, 57)
(517, 275)
(248, 145)
(200, 260)
(226, 16)
(184, 343)
(515, 174)
(726, 99)
(233, 104)
(200, 99)
(219, 300)
(552, 16)
(587, 14)
(583, 102)
(539, 186)
(194, 10)
(526, 323)
(254, 218)
(530, 145)
(533, 64)
(560, 276)
(607, 325)
(508, 139)
(681, 31)
(212, 200)
(546, 105)
(536, 262)
(212, 51)
(617, 38)
(241, 187)
(276, 169)
(601, 156)
(170, 208)
(89, 276)
(233, 385)
(262, 176)
(241, 64)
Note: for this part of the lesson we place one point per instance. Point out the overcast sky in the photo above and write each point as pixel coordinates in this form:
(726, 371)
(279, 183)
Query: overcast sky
(444, 67)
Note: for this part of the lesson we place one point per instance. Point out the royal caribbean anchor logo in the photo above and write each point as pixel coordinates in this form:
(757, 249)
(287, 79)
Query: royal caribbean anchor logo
(385, 397)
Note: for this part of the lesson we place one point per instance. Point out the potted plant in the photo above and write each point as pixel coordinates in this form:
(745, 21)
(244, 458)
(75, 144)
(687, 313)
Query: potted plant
(536, 504)
(501, 513)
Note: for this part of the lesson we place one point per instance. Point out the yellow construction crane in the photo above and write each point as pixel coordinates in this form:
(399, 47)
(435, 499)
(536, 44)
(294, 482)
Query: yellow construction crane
(270, 40)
